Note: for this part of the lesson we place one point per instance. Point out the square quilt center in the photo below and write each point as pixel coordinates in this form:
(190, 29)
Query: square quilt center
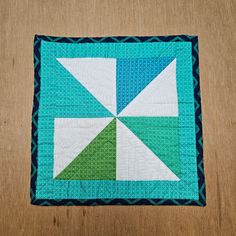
(139, 141)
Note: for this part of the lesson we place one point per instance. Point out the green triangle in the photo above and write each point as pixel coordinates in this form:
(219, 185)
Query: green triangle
(160, 135)
(97, 161)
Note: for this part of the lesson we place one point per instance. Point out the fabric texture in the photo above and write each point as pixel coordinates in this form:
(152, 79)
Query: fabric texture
(97, 160)
(117, 120)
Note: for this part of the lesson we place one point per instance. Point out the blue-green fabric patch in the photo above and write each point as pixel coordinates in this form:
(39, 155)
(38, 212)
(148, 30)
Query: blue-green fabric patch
(143, 71)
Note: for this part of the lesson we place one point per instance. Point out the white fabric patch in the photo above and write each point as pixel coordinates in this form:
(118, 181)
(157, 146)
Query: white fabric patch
(159, 98)
(135, 161)
(97, 75)
(71, 136)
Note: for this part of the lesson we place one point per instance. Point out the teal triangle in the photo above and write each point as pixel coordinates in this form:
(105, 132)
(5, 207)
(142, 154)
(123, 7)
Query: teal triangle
(160, 135)
(65, 96)
(133, 75)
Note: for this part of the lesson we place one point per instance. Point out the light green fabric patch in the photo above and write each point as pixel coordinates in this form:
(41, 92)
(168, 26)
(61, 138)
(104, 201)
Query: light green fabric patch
(97, 160)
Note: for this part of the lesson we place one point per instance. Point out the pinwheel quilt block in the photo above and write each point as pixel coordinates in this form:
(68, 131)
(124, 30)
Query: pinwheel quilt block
(114, 122)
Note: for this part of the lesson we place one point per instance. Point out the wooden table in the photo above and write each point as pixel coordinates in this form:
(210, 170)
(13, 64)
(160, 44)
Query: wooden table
(213, 21)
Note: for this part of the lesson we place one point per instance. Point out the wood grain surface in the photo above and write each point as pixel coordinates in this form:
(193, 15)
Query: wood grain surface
(213, 21)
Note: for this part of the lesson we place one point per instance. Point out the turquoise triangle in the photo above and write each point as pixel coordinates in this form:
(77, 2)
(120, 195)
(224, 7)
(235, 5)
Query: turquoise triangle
(68, 97)
(133, 75)
(160, 135)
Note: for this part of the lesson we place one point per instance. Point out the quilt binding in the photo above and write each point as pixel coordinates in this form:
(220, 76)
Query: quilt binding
(118, 201)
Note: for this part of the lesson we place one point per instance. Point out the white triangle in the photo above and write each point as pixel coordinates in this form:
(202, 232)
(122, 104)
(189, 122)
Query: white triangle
(71, 136)
(135, 161)
(158, 98)
(97, 75)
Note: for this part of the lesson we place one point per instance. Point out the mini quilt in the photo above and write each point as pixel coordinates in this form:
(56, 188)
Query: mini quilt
(117, 121)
